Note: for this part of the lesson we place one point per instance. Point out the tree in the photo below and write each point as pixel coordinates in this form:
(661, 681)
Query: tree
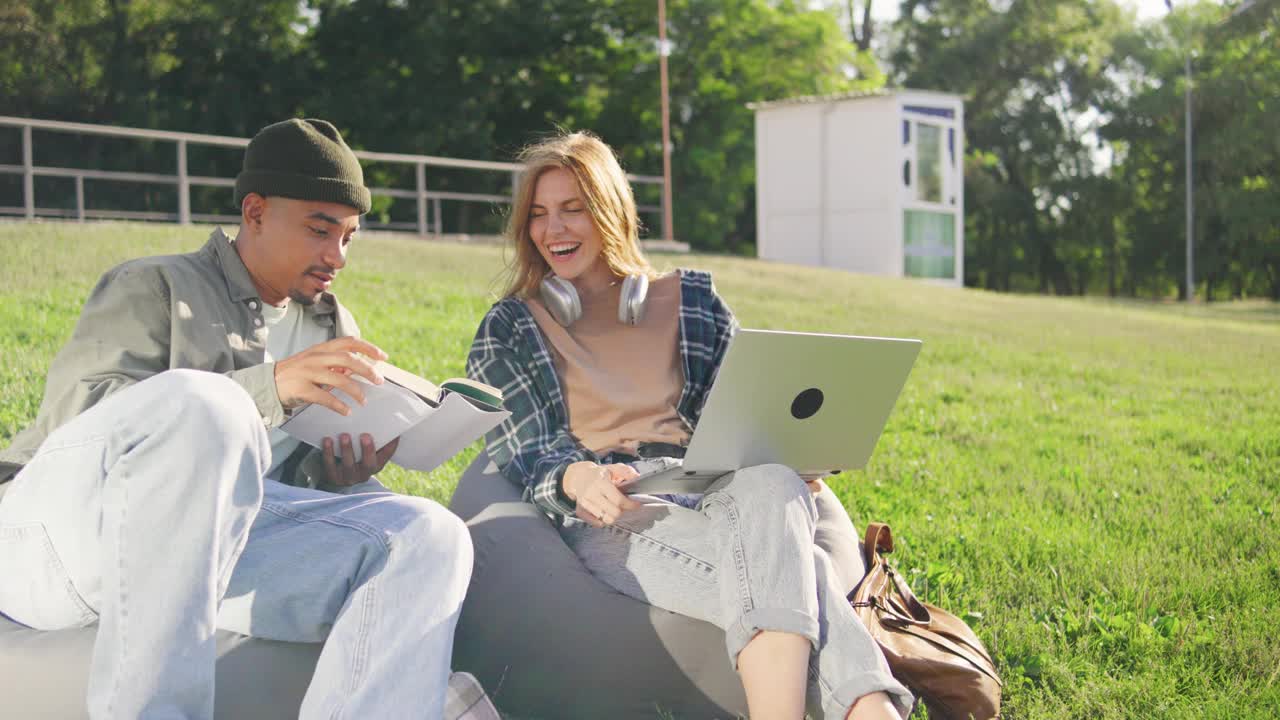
(1030, 73)
(166, 64)
(483, 81)
(862, 32)
(1236, 150)
(727, 54)
(1073, 109)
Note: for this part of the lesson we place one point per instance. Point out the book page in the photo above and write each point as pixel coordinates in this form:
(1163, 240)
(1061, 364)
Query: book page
(477, 391)
(423, 387)
(389, 411)
(450, 428)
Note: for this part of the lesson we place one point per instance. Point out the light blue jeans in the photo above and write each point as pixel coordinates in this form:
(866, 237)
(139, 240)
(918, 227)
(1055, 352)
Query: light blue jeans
(745, 560)
(148, 515)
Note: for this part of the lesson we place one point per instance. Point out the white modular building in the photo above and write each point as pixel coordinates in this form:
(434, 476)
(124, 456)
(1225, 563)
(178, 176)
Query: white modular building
(868, 182)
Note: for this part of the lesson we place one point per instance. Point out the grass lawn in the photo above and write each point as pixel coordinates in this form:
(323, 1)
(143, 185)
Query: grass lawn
(1093, 484)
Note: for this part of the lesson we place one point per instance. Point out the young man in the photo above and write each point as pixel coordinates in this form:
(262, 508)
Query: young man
(156, 496)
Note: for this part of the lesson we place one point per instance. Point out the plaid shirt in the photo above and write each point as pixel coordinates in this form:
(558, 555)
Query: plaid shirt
(534, 446)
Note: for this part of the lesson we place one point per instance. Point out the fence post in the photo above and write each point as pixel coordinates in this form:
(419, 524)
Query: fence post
(421, 172)
(184, 186)
(662, 207)
(435, 212)
(28, 174)
(80, 198)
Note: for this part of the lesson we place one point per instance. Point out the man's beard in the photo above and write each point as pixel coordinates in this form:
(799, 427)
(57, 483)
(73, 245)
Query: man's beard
(303, 299)
(297, 295)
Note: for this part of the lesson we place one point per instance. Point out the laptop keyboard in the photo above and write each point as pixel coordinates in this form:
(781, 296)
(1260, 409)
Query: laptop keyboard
(652, 466)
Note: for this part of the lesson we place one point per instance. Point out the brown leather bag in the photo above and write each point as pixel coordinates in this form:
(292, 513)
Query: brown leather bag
(934, 653)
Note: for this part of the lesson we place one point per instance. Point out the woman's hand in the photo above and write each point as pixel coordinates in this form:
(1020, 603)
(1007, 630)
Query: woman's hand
(814, 482)
(594, 488)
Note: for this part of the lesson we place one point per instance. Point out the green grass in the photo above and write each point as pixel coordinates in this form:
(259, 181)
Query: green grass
(1095, 483)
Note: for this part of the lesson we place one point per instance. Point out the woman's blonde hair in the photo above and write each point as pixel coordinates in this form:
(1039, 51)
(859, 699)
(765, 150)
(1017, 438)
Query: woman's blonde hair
(609, 200)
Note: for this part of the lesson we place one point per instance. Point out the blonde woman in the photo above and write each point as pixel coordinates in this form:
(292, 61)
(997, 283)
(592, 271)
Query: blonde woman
(605, 363)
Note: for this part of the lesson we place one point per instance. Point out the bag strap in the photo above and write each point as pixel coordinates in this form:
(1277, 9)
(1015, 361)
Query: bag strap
(878, 537)
(915, 608)
(919, 612)
(956, 649)
(892, 613)
(966, 642)
(900, 612)
(913, 616)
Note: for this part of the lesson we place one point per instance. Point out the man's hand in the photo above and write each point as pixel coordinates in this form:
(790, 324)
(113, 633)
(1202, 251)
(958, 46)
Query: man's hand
(309, 376)
(345, 471)
(595, 488)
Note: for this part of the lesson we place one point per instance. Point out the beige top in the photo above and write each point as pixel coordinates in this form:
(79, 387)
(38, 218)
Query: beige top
(288, 333)
(621, 384)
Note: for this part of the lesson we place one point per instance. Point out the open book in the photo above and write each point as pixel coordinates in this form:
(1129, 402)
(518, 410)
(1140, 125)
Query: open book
(433, 422)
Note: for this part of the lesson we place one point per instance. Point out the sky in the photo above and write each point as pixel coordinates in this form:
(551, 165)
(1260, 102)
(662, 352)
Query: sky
(1148, 8)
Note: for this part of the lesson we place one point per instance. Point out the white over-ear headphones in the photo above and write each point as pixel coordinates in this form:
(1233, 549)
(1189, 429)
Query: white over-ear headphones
(562, 301)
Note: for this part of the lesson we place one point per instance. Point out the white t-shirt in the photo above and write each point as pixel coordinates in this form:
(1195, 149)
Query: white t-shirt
(288, 333)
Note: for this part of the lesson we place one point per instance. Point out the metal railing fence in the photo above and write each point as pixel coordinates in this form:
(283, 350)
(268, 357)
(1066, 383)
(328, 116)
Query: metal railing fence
(429, 216)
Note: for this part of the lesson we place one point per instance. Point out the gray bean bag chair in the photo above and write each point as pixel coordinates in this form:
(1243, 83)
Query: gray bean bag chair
(44, 675)
(549, 640)
(545, 637)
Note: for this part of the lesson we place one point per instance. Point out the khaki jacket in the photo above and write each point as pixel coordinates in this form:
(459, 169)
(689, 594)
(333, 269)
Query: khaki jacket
(198, 311)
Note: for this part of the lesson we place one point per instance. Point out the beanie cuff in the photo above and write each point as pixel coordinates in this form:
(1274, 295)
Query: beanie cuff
(303, 187)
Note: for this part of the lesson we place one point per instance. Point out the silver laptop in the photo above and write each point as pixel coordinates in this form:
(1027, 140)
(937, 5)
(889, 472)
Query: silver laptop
(815, 403)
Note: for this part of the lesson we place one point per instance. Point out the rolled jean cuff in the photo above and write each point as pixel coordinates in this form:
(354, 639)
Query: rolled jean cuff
(758, 620)
(842, 698)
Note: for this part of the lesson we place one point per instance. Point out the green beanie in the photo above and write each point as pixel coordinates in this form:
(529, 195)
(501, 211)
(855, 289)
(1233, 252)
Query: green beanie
(304, 160)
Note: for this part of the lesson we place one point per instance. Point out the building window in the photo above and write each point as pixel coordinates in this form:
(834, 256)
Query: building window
(931, 111)
(929, 244)
(928, 163)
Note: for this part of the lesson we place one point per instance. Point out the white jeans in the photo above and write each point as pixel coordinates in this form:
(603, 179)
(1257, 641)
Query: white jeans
(148, 515)
(746, 560)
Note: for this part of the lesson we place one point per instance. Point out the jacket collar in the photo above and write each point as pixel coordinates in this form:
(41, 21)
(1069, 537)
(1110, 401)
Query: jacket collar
(240, 287)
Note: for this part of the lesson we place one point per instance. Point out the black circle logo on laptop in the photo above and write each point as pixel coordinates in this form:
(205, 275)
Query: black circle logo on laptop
(807, 403)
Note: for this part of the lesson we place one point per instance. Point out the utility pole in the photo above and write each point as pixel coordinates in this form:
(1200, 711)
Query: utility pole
(664, 49)
(1191, 207)
(1190, 179)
